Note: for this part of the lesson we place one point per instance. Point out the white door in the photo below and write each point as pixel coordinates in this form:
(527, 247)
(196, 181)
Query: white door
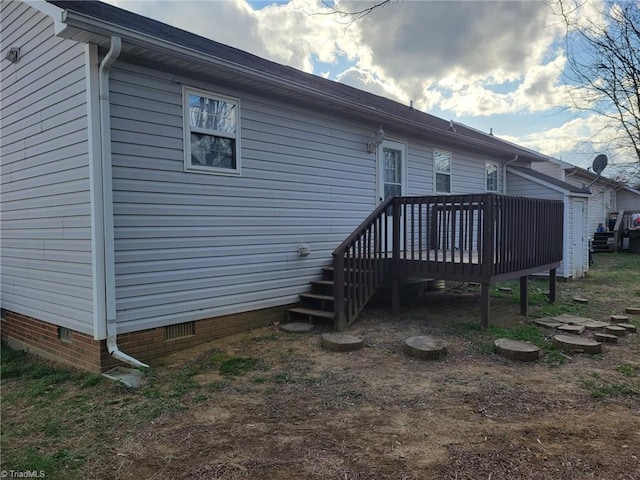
(392, 175)
(578, 243)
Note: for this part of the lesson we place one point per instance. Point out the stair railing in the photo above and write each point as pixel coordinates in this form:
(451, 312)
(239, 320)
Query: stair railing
(359, 263)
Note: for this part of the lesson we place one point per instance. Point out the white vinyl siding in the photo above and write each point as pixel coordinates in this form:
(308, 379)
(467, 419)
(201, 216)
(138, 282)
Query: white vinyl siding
(195, 246)
(627, 200)
(46, 214)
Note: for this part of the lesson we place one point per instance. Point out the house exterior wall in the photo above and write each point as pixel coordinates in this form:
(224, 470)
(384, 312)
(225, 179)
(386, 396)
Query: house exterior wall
(627, 200)
(46, 256)
(600, 201)
(192, 245)
(549, 168)
(517, 185)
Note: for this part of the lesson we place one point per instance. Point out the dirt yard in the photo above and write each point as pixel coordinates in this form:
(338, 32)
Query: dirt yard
(377, 413)
(272, 405)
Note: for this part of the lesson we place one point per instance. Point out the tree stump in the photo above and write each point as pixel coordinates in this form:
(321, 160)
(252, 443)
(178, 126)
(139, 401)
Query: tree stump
(575, 329)
(296, 327)
(517, 350)
(605, 337)
(425, 347)
(577, 344)
(633, 310)
(339, 342)
(629, 327)
(616, 330)
(619, 318)
(580, 300)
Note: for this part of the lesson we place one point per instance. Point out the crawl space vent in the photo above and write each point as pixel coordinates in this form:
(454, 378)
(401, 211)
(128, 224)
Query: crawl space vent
(179, 330)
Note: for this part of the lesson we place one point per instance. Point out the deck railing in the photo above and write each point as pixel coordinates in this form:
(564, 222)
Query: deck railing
(480, 238)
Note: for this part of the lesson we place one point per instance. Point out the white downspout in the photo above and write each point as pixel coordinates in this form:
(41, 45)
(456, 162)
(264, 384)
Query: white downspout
(504, 174)
(107, 192)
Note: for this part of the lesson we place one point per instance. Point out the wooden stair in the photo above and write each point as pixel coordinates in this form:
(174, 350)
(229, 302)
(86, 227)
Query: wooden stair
(604, 242)
(317, 304)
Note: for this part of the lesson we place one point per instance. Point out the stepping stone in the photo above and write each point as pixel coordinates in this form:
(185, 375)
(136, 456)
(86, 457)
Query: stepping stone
(517, 350)
(576, 329)
(616, 330)
(605, 337)
(629, 327)
(505, 289)
(580, 300)
(425, 347)
(619, 318)
(297, 327)
(340, 342)
(572, 319)
(633, 310)
(595, 325)
(577, 344)
(547, 322)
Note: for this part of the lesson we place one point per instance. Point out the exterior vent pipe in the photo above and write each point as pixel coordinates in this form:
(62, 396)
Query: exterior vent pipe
(107, 192)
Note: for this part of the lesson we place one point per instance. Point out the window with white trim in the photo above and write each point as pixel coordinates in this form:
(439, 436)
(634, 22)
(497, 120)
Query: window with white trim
(211, 132)
(442, 171)
(491, 175)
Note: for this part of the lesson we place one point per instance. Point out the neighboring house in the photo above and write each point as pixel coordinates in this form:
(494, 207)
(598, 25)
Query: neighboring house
(627, 198)
(530, 182)
(160, 189)
(602, 200)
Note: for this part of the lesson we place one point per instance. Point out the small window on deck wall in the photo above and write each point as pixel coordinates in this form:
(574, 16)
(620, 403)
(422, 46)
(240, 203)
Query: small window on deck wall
(212, 132)
(442, 164)
(491, 170)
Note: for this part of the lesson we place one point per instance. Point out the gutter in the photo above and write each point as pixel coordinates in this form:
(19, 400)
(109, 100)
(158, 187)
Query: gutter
(504, 173)
(107, 205)
(102, 27)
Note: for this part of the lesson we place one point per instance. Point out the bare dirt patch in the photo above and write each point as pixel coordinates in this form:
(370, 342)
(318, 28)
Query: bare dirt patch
(380, 414)
(285, 408)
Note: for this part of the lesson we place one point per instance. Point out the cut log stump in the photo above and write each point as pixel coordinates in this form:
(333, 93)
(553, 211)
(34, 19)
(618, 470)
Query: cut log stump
(580, 300)
(633, 310)
(575, 329)
(629, 327)
(605, 338)
(577, 344)
(339, 342)
(517, 350)
(616, 330)
(296, 327)
(619, 318)
(425, 347)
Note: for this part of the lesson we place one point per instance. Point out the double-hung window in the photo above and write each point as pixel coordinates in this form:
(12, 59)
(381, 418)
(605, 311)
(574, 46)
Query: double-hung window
(211, 132)
(442, 163)
(491, 175)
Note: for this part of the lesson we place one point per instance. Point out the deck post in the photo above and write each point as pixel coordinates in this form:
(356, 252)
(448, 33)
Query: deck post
(485, 304)
(552, 285)
(524, 295)
(338, 293)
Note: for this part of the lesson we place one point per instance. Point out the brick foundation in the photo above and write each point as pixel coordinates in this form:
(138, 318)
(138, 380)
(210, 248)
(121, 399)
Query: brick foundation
(82, 351)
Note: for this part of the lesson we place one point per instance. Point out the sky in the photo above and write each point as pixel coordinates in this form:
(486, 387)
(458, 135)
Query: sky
(492, 65)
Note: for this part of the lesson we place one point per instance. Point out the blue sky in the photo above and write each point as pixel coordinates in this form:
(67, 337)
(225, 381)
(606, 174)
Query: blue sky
(489, 64)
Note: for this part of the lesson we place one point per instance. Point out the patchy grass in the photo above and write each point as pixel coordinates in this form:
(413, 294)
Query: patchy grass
(602, 388)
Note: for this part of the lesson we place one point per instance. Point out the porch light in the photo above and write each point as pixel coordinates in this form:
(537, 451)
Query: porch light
(379, 138)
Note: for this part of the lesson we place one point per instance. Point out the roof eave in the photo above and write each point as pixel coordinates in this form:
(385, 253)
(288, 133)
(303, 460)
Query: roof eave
(99, 31)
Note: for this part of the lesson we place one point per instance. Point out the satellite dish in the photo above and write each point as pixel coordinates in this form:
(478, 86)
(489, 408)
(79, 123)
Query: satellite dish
(599, 163)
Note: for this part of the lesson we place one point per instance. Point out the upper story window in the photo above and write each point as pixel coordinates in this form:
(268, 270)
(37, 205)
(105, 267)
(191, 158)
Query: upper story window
(442, 164)
(212, 132)
(491, 174)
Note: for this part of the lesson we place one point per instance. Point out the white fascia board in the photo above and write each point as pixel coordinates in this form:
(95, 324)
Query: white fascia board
(50, 10)
(539, 181)
(100, 27)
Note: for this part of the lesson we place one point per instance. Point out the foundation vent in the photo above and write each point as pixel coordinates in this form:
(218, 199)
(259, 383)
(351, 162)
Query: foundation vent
(179, 330)
(64, 334)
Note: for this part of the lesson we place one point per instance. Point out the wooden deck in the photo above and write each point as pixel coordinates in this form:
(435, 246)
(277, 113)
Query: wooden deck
(476, 238)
